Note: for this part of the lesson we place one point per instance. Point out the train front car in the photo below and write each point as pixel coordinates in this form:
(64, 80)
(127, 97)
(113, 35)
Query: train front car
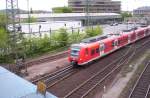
(74, 54)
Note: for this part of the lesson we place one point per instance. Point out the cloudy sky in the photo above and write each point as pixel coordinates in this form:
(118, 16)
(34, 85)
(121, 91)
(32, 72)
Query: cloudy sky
(48, 4)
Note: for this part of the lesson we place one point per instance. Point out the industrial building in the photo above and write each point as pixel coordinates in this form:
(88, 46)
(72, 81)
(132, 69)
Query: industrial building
(95, 6)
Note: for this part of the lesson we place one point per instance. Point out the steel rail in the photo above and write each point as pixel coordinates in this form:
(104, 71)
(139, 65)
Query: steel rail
(53, 74)
(138, 80)
(148, 91)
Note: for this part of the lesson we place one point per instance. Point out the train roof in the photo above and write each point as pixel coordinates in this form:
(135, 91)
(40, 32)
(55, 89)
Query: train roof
(101, 38)
(12, 86)
(94, 39)
(108, 37)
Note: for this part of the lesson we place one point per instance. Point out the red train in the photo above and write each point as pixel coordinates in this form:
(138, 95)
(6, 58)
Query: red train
(99, 46)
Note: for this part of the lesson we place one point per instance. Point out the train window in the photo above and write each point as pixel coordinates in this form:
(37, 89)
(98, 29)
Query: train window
(97, 50)
(116, 43)
(126, 38)
(129, 37)
(146, 32)
(86, 51)
(74, 52)
(119, 42)
(102, 48)
(93, 52)
(113, 44)
(105, 46)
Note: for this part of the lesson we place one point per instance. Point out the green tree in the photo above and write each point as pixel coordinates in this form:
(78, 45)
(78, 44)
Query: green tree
(94, 31)
(3, 20)
(62, 37)
(3, 32)
(3, 38)
(62, 10)
(126, 15)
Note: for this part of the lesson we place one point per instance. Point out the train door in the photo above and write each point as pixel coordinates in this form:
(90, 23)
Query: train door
(115, 44)
(136, 34)
(102, 48)
(148, 31)
(145, 31)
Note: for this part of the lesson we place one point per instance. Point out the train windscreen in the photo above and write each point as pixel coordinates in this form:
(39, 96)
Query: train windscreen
(75, 51)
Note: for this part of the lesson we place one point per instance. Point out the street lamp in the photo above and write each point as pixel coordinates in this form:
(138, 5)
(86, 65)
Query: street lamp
(28, 7)
(40, 30)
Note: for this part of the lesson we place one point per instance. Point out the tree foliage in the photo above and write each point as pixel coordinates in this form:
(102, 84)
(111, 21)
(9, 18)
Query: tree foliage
(36, 46)
(62, 37)
(3, 20)
(94, 31)
(31, 20)
(62, 10)
(126, 15)
(3, 38)
(3, 32)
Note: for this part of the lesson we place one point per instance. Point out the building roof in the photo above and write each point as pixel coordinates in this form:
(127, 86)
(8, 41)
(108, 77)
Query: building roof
(68, 15)
(143, 8)
(12, 86)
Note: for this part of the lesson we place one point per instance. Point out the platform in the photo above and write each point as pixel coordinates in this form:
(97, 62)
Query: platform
(13, 86)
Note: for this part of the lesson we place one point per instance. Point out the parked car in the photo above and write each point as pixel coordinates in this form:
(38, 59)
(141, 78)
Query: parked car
(114, 24)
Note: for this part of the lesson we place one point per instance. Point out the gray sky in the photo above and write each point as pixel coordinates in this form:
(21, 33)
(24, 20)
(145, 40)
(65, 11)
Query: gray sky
(48, 4)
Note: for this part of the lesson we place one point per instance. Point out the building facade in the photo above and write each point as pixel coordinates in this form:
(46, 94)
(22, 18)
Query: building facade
(95, 6)
(142, 11)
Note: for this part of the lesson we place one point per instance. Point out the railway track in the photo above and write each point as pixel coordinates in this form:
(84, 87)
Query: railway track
(142, 87)
(148, 92)
(47, 59)
(85, 88)
(51, 76)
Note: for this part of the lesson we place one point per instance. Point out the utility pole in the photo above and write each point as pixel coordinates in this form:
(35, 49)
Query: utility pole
(13, 26)
(28, 7)
(87, 13)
